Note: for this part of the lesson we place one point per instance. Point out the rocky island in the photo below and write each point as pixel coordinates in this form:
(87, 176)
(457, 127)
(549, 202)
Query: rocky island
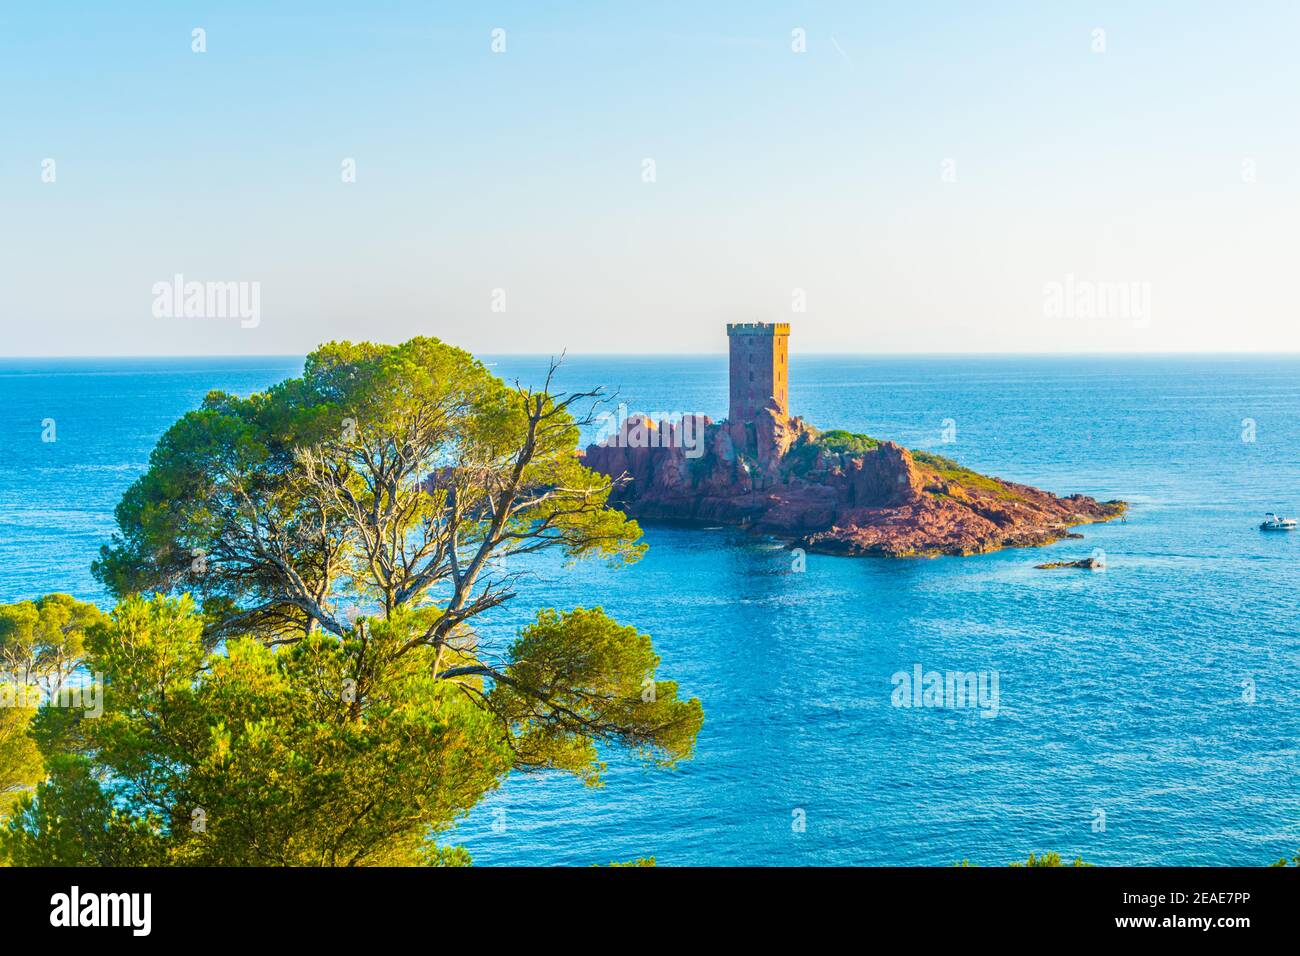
(831, 492)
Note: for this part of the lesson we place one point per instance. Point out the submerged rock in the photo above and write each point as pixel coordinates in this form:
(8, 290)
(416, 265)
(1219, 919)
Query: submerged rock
(1089, 564)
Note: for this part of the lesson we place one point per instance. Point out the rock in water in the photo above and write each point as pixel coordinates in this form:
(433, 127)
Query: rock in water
(1090, 564)
(832, 492)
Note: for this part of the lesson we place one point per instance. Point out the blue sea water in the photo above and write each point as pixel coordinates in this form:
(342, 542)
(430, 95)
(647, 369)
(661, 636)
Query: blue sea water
(1121, 693)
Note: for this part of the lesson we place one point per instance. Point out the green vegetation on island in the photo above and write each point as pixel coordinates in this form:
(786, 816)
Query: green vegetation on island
(952, 473)
(842, 442)
(937, 472)
(1052, 859)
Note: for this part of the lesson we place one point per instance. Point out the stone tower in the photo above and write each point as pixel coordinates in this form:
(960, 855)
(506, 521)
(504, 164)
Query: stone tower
(759, 369)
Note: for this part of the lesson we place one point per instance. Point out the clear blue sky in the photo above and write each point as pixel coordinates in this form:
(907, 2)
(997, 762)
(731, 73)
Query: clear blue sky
(775, 171)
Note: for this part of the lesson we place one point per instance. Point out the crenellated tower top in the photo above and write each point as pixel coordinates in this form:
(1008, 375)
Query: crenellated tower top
(759, 369)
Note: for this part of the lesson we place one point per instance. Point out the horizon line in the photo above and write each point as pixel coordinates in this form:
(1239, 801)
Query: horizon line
(1287, 353)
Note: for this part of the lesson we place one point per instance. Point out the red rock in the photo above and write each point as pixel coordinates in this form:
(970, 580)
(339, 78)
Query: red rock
(772, 476)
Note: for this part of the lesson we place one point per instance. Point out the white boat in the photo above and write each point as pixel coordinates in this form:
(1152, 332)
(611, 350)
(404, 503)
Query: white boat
(1274, 522)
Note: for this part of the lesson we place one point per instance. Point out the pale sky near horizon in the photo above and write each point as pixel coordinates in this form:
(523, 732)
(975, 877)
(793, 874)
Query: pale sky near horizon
(926, 177)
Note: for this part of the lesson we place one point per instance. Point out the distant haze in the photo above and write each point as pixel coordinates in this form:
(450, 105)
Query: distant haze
(902, 177)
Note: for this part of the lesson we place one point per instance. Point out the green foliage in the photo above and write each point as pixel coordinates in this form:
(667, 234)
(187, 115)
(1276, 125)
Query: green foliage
(262, 726)
(255, 757)
(844, 442)
(252, 756)
(956, 474)
(1284, 861)
(802, 456)
(433, 855)
(643, 861)
(71, 821)
(388, 473)
(1045, 859)
(1051, 859)
(578, 679)
(20, 761)
(41, 641)
(41, 644)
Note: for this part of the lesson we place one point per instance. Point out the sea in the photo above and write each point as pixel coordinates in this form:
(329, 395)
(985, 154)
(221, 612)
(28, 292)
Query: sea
(1147, 713)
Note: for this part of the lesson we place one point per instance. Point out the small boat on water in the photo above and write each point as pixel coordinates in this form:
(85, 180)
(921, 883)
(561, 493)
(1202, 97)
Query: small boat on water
(1274, 522)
